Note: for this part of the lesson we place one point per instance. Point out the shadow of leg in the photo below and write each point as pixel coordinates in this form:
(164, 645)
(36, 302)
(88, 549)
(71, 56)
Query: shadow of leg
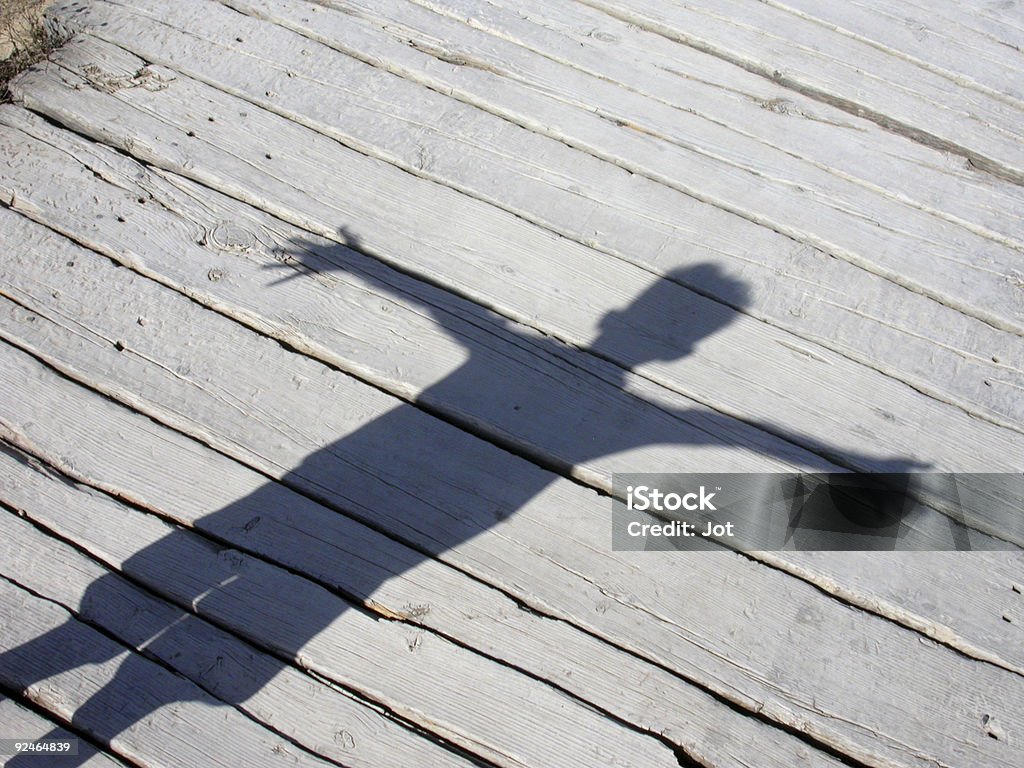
(137, 690)
(53, 653)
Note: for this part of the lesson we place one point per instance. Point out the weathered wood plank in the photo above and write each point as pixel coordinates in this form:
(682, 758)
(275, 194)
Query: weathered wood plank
(999, 22)
(22, 723)
(120, 697)
(511, 719)
(390, 579)
(974, 596)
(324, 720)
(531, 275)
(906, 335)
(686, 153)
(851, 74)
(553, 554)
(927, 38)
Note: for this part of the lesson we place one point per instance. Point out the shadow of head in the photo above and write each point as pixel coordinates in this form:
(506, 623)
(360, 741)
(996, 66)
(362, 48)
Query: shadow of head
(666, 321)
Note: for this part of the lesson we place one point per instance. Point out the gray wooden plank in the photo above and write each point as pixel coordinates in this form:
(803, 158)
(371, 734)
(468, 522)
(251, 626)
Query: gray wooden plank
(325, 721)
(391, 580)
(971, 624)
(22, 723)
(687, 153)
(958, 52)
(905, 335)
(533, 276)
(998, 22)
(730, 129)
(553, 554)
(847, 72)
(340, 315)
(119, 697)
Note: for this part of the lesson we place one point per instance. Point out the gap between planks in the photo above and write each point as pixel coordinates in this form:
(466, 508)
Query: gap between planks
(22, 719)
(985, 146)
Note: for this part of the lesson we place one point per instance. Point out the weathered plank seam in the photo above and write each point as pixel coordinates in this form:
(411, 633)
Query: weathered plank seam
(972, 12)
(24, 700)
(935, 631)
(956, 77)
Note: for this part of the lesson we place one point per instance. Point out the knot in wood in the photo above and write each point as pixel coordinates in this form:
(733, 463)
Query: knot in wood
(226, 236)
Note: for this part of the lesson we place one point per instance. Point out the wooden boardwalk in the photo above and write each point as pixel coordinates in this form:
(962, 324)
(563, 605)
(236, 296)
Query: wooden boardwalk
(324, 326)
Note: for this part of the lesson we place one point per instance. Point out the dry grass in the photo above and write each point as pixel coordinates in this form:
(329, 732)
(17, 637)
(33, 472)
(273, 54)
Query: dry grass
(24, 39)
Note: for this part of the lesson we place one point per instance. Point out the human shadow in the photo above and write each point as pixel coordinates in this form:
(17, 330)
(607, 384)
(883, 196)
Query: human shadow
(409, 473)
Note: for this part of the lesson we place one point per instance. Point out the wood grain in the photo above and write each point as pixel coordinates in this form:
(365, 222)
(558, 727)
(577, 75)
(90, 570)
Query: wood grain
(239, 508)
